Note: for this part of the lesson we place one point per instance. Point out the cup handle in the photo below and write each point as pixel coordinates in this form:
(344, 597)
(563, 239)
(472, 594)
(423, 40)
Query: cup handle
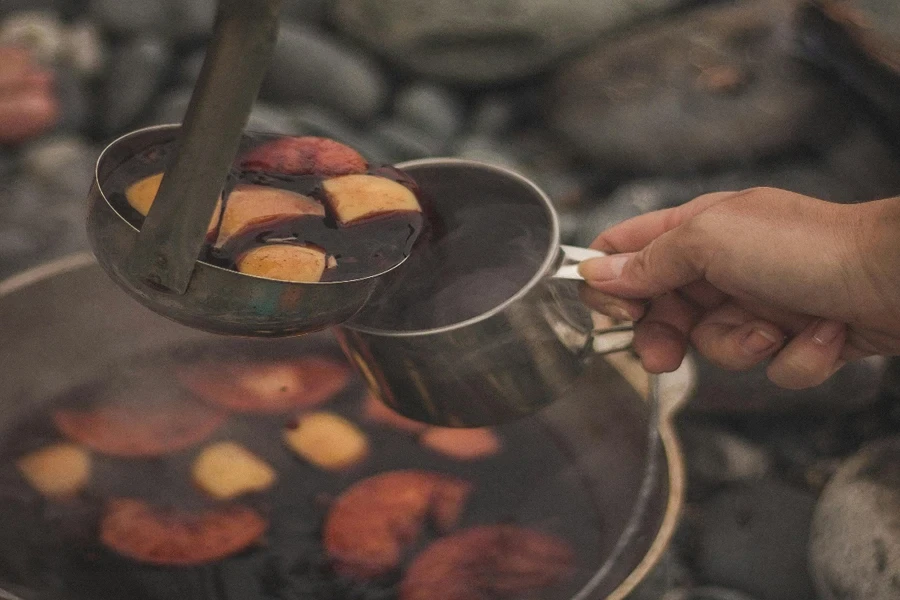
(572, 257)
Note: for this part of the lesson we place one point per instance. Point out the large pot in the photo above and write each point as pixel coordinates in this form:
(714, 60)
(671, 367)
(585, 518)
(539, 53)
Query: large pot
(66, 322)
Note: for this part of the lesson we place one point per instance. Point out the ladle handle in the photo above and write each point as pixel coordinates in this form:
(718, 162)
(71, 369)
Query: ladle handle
(572, 257)
(237, 59)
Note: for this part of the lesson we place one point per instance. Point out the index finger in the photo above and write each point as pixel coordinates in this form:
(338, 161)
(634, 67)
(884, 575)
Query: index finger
(635, 233)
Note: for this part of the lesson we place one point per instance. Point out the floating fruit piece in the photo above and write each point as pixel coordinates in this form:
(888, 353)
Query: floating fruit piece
(378, 412)
(160, 536)
(57, 471)
(134, 429)
(354, 197)
(284, 262)
(461, 444)
(327, 440)
(372, 523)
(266, 387)
(141, 195)
(488, 563)
(227, 470)
(254, 206)
(304, 156)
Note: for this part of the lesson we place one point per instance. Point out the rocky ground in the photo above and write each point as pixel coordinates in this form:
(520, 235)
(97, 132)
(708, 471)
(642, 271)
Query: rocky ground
(615, 108)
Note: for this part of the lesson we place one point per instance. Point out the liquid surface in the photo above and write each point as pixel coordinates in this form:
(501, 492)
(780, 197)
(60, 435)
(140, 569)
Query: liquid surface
(51, 548)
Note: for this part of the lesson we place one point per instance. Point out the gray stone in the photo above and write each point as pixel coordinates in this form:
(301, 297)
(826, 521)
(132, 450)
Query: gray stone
(706, 593)
(754, 539)
(305, 11)
(489, 150)
(405, 141)
(431, 108)
(171, 107)
(312, 66)
(83, 49)
(493, 114)
(314, 120)
(190, 66)
(8, 7)
(715, 456)
(866, 163)
(74, 102)
(484, 41)
(855, 544)
(135, 77)
(41, 32)
(192, 19)
(64, 163)
(854, 387)
(131, 16)
(265, 118)
(716, 86)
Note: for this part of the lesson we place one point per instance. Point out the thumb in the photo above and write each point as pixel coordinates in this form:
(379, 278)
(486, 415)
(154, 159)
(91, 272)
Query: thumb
(665, 264)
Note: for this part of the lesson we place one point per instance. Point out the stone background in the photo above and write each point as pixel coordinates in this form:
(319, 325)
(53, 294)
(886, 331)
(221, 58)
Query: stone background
(615, 107)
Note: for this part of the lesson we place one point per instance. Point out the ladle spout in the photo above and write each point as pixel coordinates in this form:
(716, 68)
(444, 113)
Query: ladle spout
(238, 56)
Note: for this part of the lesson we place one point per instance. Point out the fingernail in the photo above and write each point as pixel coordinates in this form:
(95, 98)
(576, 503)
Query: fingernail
(603, 269)
(758, 341)
(826, 331)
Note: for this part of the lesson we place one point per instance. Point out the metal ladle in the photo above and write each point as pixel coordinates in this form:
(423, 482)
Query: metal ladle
(158, 264)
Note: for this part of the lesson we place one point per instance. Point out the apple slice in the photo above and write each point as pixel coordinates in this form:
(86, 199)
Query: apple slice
(462, 444)
(57, 471)
(250, 206)
(354, 197)
(226, 470)
(306, 155)
(284, 262)
(328, 441)
(140, 196)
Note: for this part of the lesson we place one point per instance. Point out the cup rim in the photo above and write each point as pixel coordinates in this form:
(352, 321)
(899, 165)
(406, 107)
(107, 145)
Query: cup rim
(104, 155)
(550, 259)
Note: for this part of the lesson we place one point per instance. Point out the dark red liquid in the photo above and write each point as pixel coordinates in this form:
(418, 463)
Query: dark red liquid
(363, 248)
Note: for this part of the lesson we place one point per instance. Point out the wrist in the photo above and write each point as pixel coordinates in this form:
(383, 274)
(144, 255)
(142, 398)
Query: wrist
(878, 240)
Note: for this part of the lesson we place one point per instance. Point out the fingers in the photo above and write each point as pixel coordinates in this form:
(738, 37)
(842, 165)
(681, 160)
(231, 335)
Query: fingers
(811, 357)
(617, 308)
(633, 234)
(735, 339)
(661, 337)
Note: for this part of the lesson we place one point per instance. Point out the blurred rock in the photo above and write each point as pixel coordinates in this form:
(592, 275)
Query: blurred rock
(487, 41)
(488, 149)
(192, 19)
(865, 162)
(305, 11)
(716, 86)
(266, 118)
(705, 593)
(65, 163)
(493, 114)
(874, 24)
(129, 17)
(754, 539)
(135, 76)
(854, 387)
(83, 49)
(311, 66)
(855, 544)
(74, 102)
(431, 108)
(171, 106)
(715, 456)
(405, 141)
(41, 32)
(189, 67)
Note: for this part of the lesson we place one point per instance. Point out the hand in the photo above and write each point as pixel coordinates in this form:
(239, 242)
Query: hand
(755, 275)
(28, 106)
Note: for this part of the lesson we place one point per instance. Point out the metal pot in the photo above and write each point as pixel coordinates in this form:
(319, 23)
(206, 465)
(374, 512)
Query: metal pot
(66, 322)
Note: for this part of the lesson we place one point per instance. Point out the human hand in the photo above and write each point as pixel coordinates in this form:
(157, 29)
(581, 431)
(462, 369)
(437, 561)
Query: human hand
(755, 275)
(28, 105)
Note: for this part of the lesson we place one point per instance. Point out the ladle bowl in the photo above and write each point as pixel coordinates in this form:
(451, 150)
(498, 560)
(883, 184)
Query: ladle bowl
(217, 300)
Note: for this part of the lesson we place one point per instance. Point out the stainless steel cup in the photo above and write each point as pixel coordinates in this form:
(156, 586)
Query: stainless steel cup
(508, 361)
